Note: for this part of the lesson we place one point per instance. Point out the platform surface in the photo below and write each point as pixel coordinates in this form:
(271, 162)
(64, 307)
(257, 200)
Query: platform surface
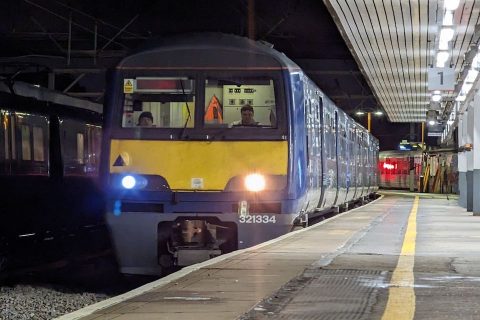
(404, 256)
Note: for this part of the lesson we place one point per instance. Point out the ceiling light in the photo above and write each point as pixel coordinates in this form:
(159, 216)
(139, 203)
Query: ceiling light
(436, 97)
(359, 113)
(378, 113)
(448, 18)
(471, 76)
(451, 4)
(431, 122)
(446, 34)
(442, 57)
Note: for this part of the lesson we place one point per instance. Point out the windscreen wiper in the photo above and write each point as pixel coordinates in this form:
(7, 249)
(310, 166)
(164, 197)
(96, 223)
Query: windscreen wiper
(188, 110)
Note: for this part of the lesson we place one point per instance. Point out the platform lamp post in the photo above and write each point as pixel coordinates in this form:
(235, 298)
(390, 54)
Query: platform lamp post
(369, 112)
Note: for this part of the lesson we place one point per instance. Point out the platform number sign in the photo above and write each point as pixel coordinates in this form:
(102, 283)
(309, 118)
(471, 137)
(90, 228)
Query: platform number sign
(441, 79)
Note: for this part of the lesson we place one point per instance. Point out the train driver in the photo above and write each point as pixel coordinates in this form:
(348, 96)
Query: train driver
(247, 114)
(145, 119)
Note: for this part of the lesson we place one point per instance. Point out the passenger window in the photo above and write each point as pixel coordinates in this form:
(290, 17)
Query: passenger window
(239, 102)
(80, 147)
(32, 140)
(38, 144)
(158, 102)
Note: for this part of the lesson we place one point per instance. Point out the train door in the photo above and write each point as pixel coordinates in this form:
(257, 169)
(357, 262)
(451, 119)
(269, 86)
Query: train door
(5, 143)
(330, 145)
(360, 163)
(368, 161)
(342, 158)
(29, 167)
(312, 122)
(350, 160)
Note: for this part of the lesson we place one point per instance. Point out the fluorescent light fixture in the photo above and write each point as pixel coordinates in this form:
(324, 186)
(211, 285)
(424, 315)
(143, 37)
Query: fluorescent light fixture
(446, 34)
(443, 45)
(448, 18)
(359, 113)
(442, 57)
(436, 97)
(378, 113)
(451, 4)
(471, 76)
(466, 87)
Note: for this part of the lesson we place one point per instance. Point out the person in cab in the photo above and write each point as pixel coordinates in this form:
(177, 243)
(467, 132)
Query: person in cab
(247, 114)
(145, 119)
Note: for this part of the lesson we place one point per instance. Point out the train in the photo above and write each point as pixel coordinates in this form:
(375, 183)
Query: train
(50, 146)
(400, 169)
(201, 178)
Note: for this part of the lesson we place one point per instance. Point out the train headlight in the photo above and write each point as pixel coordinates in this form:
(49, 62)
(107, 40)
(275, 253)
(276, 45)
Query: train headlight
(129, 182)
(255, 182)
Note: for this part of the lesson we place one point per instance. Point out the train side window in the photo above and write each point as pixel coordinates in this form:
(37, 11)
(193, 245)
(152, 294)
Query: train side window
(80, 143)
(32, 140)
(26, 146)
(38, 144)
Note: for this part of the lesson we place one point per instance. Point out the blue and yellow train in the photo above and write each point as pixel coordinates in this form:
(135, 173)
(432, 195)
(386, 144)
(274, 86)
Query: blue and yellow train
(217, 143)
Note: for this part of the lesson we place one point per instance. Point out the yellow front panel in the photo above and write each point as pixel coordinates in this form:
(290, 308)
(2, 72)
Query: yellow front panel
(215, 162)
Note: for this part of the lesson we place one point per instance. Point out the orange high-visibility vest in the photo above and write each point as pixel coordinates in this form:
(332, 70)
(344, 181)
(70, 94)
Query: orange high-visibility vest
(213, 114)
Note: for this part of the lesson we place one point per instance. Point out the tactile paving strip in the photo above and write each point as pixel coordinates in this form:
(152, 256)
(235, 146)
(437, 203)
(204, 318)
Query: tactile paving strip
(321, 294)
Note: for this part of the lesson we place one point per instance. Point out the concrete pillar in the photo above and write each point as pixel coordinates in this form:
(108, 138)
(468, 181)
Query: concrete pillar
(462, 162)
(470, 129)
(476, 156)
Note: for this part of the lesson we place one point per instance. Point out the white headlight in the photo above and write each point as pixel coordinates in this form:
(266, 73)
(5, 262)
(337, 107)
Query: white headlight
(129, 182)
(255, 182)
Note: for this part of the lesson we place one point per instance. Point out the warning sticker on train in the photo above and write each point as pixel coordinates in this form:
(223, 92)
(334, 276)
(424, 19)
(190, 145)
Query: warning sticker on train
(128, 85)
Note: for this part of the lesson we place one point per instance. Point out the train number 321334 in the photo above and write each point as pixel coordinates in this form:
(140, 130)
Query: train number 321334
(257, 219)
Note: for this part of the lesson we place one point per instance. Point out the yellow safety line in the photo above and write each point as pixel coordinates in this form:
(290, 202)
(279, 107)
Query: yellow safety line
(401, 294)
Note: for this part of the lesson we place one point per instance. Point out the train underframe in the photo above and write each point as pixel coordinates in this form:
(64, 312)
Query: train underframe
(151, 243)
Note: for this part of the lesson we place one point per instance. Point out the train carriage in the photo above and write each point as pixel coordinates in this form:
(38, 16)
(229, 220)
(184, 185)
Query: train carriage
(49, 159)
(198, 181)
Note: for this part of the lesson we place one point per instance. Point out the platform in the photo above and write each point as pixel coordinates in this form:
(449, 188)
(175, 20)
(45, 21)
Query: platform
(403, 256)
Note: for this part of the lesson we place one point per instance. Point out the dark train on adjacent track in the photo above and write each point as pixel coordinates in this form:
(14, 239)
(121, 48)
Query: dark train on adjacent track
(49, 157)
(195, 181)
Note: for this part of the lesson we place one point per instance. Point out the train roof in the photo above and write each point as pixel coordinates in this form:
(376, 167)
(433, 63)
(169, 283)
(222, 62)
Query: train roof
(204, 46)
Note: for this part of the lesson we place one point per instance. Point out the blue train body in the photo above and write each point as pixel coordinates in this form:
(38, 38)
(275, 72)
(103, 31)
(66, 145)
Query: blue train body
(196, 184)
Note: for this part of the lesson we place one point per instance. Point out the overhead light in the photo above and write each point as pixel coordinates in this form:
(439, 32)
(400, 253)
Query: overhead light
(442, 57)
(378, 113)
(451, 4)
(431, 122)
(436, 97)
(448, 18)
(359, 113)
(446, 35)
(471, 76)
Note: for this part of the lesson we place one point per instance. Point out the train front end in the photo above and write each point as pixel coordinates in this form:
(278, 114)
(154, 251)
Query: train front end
(190, 176)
